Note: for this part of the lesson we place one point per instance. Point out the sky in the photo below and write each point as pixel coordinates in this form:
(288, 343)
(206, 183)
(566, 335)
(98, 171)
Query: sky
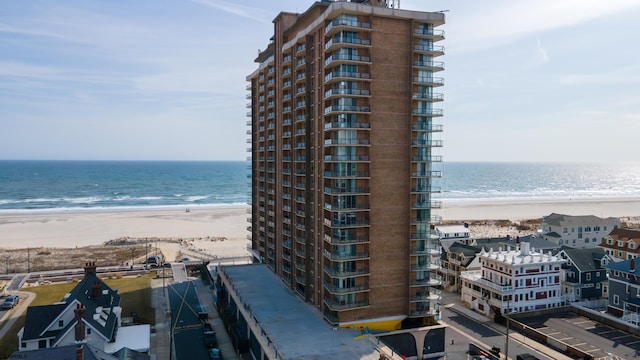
(527, 80)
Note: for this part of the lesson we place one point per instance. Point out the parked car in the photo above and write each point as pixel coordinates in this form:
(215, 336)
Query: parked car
(215, 354)
(153, 261)
(10, 302)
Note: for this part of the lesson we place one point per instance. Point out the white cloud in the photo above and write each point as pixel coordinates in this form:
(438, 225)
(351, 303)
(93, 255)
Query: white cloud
(494, 23)
(541, 53)
(247, 12)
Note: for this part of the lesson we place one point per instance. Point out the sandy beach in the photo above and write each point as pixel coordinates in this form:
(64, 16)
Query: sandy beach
(535, 209)
(222, 232)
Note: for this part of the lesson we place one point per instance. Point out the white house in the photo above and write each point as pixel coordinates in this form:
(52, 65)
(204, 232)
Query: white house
(584, 231)
(90, 314)
(513, 281)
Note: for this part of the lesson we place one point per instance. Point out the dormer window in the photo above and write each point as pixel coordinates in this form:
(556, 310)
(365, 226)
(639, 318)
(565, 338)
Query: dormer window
(621, 243)
(609, 241)
(632, 245)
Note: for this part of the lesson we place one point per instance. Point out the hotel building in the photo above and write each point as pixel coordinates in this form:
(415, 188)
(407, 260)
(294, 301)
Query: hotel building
(343, 116)
(514, 281)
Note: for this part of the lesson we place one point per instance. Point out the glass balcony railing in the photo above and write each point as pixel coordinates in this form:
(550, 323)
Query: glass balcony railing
(435, 49)
(346, 57)
(346, 108)
(338, 91)
(429, 80)
(432, 143)
(342, 22)
(337, 40)
(347, 74)
(346, 125)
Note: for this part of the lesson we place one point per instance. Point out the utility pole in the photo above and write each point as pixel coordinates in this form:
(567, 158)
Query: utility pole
(28, 260)
(506, 345)
(146, 254)
(6, 264)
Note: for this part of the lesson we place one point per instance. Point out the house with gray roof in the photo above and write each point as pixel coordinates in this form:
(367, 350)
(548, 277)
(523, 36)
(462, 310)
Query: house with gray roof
(89, 314)
(582, 231)
(583, 275)
(624, 290)
(455, 258)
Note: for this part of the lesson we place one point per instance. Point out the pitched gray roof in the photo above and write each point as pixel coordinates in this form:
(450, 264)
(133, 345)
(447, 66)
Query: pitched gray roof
(585, 259)
(38, 319)
(107, 298)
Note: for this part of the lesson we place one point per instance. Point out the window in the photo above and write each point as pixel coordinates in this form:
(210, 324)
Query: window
(632, 245)
(616, 299)
(588, 277)
(609, 241)
(60, 323)
(596, 228)
(88, 331)
(587, 229)
(564, 230)
(598, 286)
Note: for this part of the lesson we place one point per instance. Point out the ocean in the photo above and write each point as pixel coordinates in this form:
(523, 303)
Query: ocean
(41, 186)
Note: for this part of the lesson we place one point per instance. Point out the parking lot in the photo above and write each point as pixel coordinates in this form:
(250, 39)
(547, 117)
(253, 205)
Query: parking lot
(585, 334)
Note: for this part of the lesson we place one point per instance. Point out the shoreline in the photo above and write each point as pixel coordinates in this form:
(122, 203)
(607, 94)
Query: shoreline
(527, 208)
(69, 229)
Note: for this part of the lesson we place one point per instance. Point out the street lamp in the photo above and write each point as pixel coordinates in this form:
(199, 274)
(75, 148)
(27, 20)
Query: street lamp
(132, 249)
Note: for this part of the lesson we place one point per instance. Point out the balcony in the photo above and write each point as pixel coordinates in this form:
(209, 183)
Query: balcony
(424, 235)
(428, 127)
(334, 240)
(432, 295)
(346, 190)
(346, 224)
(424, 189)
(337, 59)
(435, 34)
(345, 257)
(433, 50)
(345, 273)
(346, 125)
(427, 205)
(427, 158)
(335, 92)
(343, 305)
(345, 290)
(345, 75)
(339, 174)
(338, 41)
(354, 207)
(341, 24)
(429, 65)
(428, 174)
(426, 250)
(428, 80)
(428, 96)
(427, 266)
(475, 276)
(427, 143)
(329, 142)
(339, 158)
(433, 280)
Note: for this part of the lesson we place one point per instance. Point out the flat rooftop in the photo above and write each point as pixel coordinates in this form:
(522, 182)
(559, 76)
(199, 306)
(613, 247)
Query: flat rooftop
(296, 328)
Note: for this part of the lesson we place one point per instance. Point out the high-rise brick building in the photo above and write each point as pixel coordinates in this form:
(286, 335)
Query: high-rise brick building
(344, 109)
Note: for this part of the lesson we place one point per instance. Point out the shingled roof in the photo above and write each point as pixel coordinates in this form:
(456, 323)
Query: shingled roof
(585, 259)
(98, 300)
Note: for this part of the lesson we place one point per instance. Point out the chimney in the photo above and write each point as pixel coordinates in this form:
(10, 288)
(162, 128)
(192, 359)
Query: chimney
(89, 268)
(632, 265)
(79, 353)
(525, 248)
(96, 290)
(79, 328)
